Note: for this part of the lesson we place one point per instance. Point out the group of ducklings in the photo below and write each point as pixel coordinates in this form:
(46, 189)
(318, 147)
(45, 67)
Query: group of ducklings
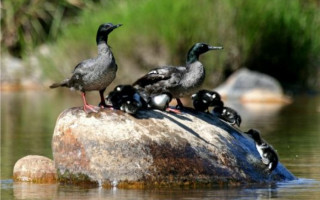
(204, 99)
(127, 99)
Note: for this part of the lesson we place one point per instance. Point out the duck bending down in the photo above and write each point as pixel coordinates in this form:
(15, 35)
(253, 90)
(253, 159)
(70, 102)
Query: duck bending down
(267, 153)
(179, 81)
(160, 102)
(227, 114)
(204, 99)
(95, 73)
(125, 98)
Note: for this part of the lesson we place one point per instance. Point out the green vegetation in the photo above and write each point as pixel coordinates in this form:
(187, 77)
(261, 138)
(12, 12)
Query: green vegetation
(284, 42)
(280, 38)
(28, 23)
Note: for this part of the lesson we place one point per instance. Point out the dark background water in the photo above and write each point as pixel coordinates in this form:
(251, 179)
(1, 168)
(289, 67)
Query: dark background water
(28, 119)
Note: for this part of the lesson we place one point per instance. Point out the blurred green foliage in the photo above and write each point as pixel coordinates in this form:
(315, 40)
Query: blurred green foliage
(28, 23)
(280, 38)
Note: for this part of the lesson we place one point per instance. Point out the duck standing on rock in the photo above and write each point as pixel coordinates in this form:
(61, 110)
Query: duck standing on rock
(204, 99)
(95, 73)
(179, 81)
(227, 114)
(267, 153)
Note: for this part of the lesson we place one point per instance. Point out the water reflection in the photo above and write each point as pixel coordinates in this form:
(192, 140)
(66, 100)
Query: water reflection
(297, 189)
(34, 191)
(27, 124)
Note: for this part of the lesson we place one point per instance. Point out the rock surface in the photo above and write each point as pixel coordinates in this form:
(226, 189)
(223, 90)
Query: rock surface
(155, 149)
(250, 86)
(36, 169)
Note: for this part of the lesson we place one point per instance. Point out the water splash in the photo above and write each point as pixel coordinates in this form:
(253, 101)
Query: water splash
(100, 183)
(114, 183)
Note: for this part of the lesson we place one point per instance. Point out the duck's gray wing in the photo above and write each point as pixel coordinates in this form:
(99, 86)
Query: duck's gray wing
(75, 81)
(161, 76)
(85, 67)
(80, 73)
(158, 80)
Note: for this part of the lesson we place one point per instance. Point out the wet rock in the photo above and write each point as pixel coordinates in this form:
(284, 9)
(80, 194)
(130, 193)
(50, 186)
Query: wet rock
(154, 149)
(250, 86)
(36, 169)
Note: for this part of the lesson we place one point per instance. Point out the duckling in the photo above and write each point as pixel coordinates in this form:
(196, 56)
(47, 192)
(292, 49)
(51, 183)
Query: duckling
(160, 102)
(267, 153)
(95, 73)
(203, 99)
(125, 98)
(179, 81)
(227, 114)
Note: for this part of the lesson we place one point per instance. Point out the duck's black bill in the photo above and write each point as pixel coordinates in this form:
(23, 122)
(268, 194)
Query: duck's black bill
(215, 48)
(116, 26)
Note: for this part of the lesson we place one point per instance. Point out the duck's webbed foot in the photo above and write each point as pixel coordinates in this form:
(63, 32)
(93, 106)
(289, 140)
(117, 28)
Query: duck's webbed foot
(173, 110)
(87, 107)
(90, 108)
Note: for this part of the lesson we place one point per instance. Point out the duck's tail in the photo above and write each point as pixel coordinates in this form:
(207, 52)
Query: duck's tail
(62, 84)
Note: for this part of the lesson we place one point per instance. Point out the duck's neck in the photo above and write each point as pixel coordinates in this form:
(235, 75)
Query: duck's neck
(258, 139)
(194, 76)
(192, 57)
(103, 48)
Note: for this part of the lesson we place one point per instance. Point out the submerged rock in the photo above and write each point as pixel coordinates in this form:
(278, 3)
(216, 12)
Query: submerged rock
(36, 169)
(155, 148)
(251, 86)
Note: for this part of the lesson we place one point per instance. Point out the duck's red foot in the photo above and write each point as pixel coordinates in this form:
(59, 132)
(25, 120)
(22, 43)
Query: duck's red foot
(173, 110)
(90, 109)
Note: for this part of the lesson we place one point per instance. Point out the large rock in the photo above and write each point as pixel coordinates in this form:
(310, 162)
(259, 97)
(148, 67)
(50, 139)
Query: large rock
(155, 148)
(251, 86)
(36, 169)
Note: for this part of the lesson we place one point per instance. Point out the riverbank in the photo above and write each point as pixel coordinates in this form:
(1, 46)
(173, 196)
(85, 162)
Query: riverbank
(154, 33)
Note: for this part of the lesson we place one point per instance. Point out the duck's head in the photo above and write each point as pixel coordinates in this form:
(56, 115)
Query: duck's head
(217, 103)
(255, 134)
(130, 106)
(104, 30)
(238, 120)
(199, 48)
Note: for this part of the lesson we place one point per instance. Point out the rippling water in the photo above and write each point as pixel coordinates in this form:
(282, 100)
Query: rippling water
(28, 119)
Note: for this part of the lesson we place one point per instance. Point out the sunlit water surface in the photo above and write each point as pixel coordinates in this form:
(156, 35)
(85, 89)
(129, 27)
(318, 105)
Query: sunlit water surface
(28, 119)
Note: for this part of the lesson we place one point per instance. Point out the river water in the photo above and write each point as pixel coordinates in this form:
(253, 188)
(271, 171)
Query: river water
(28, 119)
